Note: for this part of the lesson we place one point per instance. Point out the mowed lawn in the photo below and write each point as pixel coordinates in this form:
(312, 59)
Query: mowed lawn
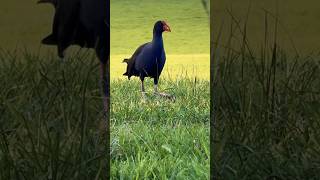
(161, 139)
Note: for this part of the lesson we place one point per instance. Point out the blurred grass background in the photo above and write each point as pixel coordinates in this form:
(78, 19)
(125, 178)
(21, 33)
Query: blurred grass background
(265, 84)
(24, 24)
(299, 21)
(132, 24)
(187, 46)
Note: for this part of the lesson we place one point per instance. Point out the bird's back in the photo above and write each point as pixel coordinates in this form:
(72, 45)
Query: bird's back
(80, 22)
(150, 62)
(131, 69)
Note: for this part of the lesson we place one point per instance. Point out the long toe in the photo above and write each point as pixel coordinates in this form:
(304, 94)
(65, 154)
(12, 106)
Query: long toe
(165, 95)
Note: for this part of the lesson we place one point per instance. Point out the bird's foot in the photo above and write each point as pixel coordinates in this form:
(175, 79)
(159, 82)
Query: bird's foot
(165, 95)
(62, 60)
(144, 97)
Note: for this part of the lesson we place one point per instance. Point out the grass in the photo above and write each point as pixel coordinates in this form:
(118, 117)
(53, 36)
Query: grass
(190, 29)
(50, 117)
(266, 107)
(51, 114)
(161, 139)
(50, 111)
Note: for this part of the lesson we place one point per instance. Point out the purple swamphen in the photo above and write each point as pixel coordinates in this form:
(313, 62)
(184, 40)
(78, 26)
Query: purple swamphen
(149, 59)
(84, 23)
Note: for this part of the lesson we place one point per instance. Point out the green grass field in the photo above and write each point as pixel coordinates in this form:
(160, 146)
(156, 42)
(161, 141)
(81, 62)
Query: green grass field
(161, 139)
(131, 27)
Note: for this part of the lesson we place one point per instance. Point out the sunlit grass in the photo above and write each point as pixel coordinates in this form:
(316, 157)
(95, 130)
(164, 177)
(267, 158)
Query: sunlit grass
(131, 27)
(160, 138)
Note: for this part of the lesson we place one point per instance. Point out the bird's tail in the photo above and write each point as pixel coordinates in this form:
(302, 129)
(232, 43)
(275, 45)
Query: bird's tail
(126, 61)
(49, 40)
(130, 68)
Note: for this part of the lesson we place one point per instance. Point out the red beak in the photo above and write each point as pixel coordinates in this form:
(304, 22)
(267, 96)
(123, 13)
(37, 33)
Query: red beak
(166, 27)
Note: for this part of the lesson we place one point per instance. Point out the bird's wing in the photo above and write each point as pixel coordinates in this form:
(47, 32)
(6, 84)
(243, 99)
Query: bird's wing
(131, 71)
(65, 24)
(163, 55)
(138, 51)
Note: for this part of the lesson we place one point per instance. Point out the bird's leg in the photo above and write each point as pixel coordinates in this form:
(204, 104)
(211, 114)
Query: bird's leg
(105, 82)
(61, 53)
(156, 89)
(143, 92)
(62, 60)
(156, 92)
(103, 54)
(155, 81)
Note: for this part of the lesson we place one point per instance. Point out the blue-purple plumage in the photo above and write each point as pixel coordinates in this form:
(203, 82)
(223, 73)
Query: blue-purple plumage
(149, 59)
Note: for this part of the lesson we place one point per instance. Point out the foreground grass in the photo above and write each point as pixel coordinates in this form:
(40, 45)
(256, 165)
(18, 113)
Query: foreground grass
(266, 110)
(159, 138)
(50, 115)
(267, 127)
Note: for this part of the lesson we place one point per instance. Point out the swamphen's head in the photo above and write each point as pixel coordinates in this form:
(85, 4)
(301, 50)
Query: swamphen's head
(160, 27)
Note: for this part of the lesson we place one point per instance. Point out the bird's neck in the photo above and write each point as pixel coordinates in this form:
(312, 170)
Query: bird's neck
(157, 40)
